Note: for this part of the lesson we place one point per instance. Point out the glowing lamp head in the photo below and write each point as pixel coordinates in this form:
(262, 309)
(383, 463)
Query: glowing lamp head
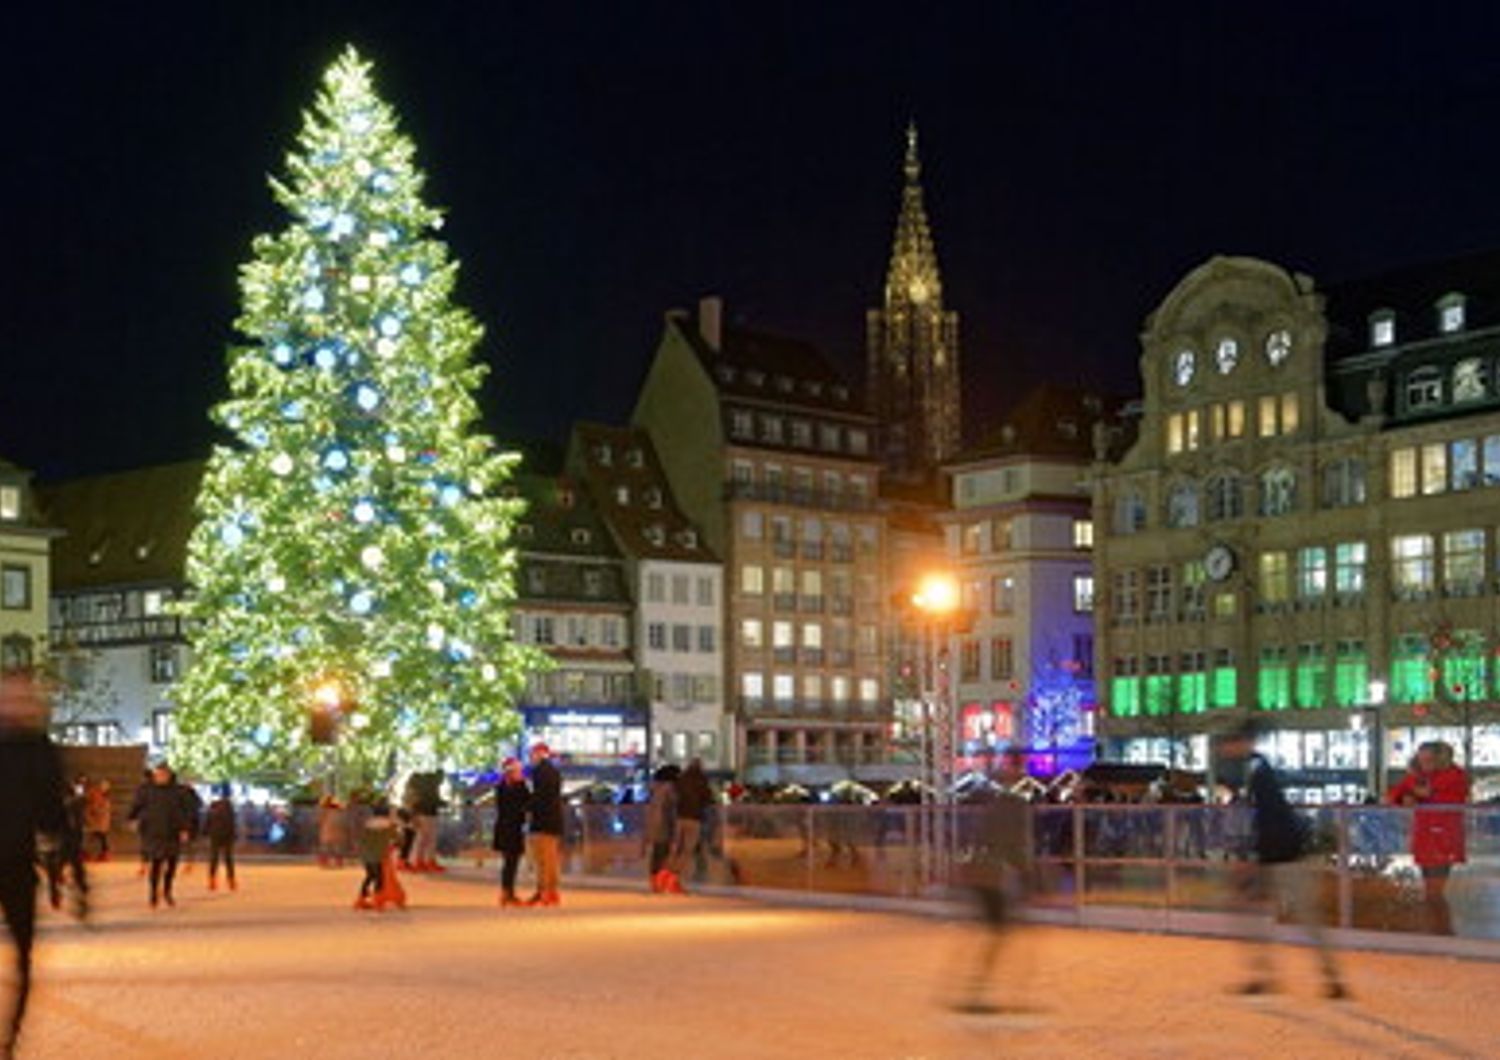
(328, 694)
(937, 594)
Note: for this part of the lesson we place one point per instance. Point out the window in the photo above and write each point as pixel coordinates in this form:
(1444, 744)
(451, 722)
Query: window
(1411, 564)
(1471, 380)
(1126, 592)
(1182, 505)
(1216, 422)
(812, 690)
(1158, 685)
(1083, 531)
(783, 687)
(1289, 416)
(1451, 313)
(609, 632)
(1434, 468)
(656, 588)
(783, 581)
(753, 685)
(1411, 670)
(1191, 432)
(869, 640)
(1351, 673)
(1403, 473)
(1344, 483)
(1002, 659)
(10, 503)
(1463, 464)
(968, 660)
(682, 638)
(163, 662)
(802, 434)
(1083, 593)
(536, 580)
(1158, 593)
(1130, 513)
(1274, 581)
(593, 583)
(742, 473)
(707, 640)
(771, 429)
(1268, 416)
(971, 538)
(705, 591)
(828, 437)
(1349, 568)
(1492, 460)
(752, 579)
(1003, 594)
(1125, 687)
(1382, 328)
(1424, 388)
(859, 442)
(1193, 580)
(869, 690)
(752, 525)
(542, 630)
(153, 602)
(812, 636)
(622, 495)
(1236, 411)
(705, 688)
(15, 587)
(741, 424)
(1278, 491)
(752, 633)
(1224, 497)
(681, 588)
(1174, 433)
(1083, 654)
(1002, 537)
(782, 636)
(838, 686)
(1312, 573)
(1273, 682)
(1312, 675)
(656, 636)
(1192, 682)
(1463, 562)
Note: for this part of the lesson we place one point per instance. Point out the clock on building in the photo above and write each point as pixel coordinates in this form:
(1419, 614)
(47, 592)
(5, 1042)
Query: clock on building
(1183, 366)
(1278, 346)
(1228, 355)
(1218, 562)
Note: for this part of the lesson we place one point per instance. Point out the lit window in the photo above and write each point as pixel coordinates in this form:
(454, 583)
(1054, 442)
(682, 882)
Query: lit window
(1275, 583)
(1349, 568)
(1312, 572)
(1403, 473)
(1268, 416)
(869, 690)
(1289, 413)
(15, 587)
(1463, 562)
(1463, 464)
(752, 685)
(1434, 468)
(1382, 328)
(1236, 411)
(152, 601)
(1190, 430)
(1411, 564)
(1216, 421)
(1174, 433)
(1470, 380)
(10, 503)
(1278, 491)
(1451, 314)
(783, 687)
(1424, 388)
(1182, 505)
(1083, 533)
(752, 579)
(1083, 593)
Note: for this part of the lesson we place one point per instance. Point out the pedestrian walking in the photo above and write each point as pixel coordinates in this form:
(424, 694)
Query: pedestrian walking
(31, 792)
(512, 801)
(661, 823)
(333, 832)
(1279, 876)
(1438, 840)
(997, 878)
(378, 840)
(160, 814)
(222, 829)
(98, 816)
(694, 797)
(545, 826)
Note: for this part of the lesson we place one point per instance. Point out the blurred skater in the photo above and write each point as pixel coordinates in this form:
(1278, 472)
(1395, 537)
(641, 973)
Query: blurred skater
(222, 829)
(192, 815)
(694, 797)
(512, 798)
(333, 832)
(64, 852)
(1279, 877)
(545, 813)
(160, 815)
(98, 816)
(1437, 836)
(661, 823)
(31, 793)
(997, 877)
(378, 841)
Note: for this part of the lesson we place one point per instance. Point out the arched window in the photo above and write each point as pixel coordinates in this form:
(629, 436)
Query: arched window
(1278, 491)
(1224, 496)
(1130, 512)
(1471, 380)
(1424, 387)
(1182, 505)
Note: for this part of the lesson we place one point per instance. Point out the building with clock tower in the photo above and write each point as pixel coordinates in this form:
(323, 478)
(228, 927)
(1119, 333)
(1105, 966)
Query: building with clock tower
(912, 344)
(1304, 528)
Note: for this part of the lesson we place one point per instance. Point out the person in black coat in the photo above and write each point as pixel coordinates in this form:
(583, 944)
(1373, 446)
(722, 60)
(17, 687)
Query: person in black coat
(546, 825)
(222, 829)
(31, 801)
(694, 797)
(160, 814)
(1280, 876)
(512, 801)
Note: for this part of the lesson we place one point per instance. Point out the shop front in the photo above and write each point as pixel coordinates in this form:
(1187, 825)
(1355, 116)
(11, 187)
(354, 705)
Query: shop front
(607, 743)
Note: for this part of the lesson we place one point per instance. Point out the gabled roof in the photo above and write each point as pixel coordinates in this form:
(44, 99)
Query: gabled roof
(560, 519)
(1413, 292)
(623, 475)
(124, 528)
(1052, 420)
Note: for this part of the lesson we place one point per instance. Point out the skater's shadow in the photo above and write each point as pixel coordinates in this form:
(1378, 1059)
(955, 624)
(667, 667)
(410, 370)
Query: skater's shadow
(1364, 1044)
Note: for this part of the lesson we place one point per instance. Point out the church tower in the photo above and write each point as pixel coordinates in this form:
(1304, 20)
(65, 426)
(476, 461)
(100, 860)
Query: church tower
(913, 345)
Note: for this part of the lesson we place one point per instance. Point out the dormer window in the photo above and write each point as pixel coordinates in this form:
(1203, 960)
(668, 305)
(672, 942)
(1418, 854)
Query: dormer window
(565, 498)
(10, 503)
(653, 497)
(784, 384)
(656, 535)
(634, 457)
(755, 378)
(143, 551)
(841, 393)
(622, 495)
(726, 373)
(603, 455)
(1382, 328)
(689, 538)
(580, 536)
(1424, 388)
(1450, 309)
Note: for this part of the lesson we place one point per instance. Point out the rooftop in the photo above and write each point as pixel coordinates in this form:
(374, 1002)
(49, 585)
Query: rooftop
(1412, 293)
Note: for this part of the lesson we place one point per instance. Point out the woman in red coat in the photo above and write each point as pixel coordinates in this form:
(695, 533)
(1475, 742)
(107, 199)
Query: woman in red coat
(1437, 836)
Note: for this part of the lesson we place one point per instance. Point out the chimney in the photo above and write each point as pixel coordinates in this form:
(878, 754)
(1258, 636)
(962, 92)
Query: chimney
(711, 321)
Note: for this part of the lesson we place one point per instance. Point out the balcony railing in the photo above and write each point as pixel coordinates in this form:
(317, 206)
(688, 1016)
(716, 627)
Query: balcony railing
(842, 605)
(784, 601)
(784, 549)
(841, 553)
(799, 497)
(810, 604)
(812, 550)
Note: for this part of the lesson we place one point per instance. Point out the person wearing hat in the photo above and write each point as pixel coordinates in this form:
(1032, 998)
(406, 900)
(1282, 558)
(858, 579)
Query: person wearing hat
(1278, 877)
(545, 811)
(512, 800)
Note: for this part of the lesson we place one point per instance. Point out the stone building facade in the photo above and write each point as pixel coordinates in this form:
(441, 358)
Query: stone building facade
(1304, 529)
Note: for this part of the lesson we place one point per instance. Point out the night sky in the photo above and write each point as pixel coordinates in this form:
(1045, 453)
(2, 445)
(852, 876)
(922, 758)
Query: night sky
(604, 162)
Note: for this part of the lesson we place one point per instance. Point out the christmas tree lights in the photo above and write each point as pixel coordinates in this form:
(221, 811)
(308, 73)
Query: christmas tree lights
(352, 536)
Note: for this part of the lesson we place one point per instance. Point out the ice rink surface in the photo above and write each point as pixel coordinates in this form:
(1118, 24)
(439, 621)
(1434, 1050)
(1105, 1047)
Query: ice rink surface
(285, 968)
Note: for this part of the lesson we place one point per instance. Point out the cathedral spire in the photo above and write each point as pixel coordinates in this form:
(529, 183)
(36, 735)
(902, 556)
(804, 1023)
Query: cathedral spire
(912, 343)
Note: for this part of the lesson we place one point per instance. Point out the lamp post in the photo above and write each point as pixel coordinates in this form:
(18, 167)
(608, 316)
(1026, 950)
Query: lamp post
(1375, 737)
(937, 601)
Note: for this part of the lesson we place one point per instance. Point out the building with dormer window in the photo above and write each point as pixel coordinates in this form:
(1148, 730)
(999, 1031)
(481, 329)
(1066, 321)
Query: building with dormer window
(1305, 528)
(25, 571)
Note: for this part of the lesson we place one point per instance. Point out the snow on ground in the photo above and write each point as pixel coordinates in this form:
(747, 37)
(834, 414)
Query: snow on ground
(286, 967)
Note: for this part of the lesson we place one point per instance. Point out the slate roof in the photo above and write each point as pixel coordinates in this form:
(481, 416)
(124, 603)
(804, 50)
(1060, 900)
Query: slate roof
(1413, 292)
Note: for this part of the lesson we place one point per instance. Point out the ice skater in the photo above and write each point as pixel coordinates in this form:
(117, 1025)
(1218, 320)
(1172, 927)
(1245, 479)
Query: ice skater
(98, 815)
(694, 797)
(512, 798)
(545, 825)
(661, 824)
(222, 829)
(1437, 836)
(1278, 876)
(378, 841)
(160, 814)
(31, 792)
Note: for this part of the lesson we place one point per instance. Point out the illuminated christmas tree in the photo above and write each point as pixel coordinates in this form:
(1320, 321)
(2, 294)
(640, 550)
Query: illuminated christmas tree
(351, 566)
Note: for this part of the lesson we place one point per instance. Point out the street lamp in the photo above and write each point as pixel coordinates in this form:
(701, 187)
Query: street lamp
(1375, 737)
(937, 600)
